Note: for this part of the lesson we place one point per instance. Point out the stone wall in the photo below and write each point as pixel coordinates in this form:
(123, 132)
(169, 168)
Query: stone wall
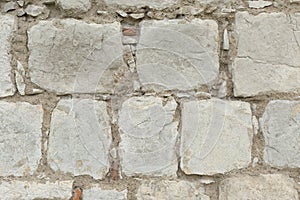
(150, 99)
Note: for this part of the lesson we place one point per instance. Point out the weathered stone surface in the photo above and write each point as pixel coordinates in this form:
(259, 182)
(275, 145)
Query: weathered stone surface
(216, 136)
(26, 190)
(214, 1)
(20, 82)
(20, 138)
(268, 54)
(280, 125)
(157, 4)
(176, 54)
(7, 26)
(268, 186)
(74, 5)
(171, 190)
(34, 10)
(97, 193)
(10, 6)
(148, 135)
(70, 56)
(80, 137)
(259, 4)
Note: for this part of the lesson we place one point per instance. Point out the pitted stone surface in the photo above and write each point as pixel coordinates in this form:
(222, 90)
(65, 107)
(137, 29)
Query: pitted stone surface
(216, 136)
(148, 136)
(20, 138)
(268, 54)
(281, 128)
(27, 190)
(101, 194)
(80, 138)
(70, 56)
(176, 54)
(171, 190)
(75, 5)
(267, 186)
(157, 4)
(7, 26)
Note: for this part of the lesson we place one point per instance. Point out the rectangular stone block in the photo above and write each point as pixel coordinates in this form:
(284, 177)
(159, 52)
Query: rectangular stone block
(280, 125)
(96, 192)
(7, 26)
(29, 190)
(71, 56)
(20, 138)
(171, 190)
(216, 136)
(148, 131)
(80, 138)
(269, 186)
(268, 58)
(157, 4)
(177, 54)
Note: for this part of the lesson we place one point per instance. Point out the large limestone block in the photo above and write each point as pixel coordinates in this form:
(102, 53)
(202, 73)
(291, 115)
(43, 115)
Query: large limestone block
(20, 138)
(268, 54)
(281, 128)
(80, 137)
(177, 54)
(269, 186)
(74, 5)
(216, 136)
(28, 190)
(171, 190)
(71, 56)
(96, 192)
(7, 26)
(148, 133)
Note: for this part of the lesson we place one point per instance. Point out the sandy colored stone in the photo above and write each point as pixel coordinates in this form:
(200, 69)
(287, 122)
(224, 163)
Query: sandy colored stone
(268, 54)
(280, 125)
(216, 136)
(170, 190)
(75, 5)
(80, 137)
(177, 54)
(71, 56)
(157, 4)
(27, 190)
(148, 136)
(20, 138)
(7, 26)
(96, 192)
(269, 186)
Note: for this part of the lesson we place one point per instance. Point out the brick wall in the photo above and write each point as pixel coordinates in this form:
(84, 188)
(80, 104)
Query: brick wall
(167, 100)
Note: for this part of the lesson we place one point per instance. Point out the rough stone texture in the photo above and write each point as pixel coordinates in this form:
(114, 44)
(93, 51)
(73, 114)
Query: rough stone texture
(19, 190)
(216, 136)
(20, 82)
(259, 4)
(148, 136)
(157, 4)
(70, 56)
(281, 128)
(7, 26)
(80, 137)
(171, 190)
(74, 5)
(268, 186)
(20, 138)
(176, 54)
(100, 194)
(268, 54)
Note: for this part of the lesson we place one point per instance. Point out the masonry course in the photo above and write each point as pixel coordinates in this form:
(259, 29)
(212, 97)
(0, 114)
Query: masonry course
(171, 99)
